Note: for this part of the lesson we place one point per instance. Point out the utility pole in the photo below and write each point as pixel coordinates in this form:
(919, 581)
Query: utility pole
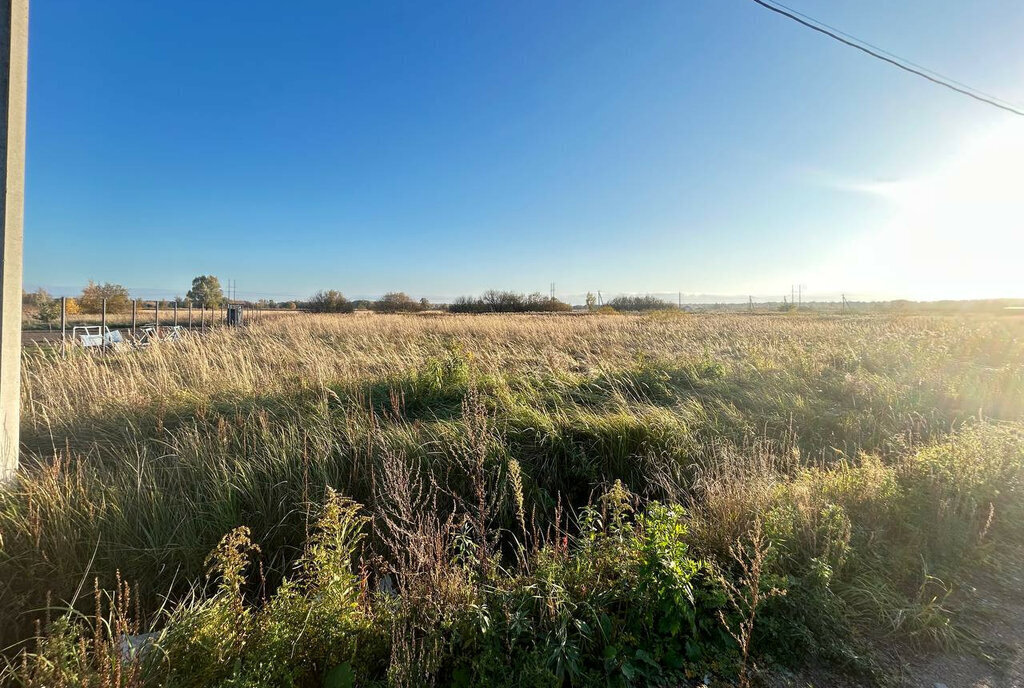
(679, 304)
(13, 92)
(751, 302)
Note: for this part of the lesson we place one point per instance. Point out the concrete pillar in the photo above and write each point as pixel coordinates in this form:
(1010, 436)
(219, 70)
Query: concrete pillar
(13, 90)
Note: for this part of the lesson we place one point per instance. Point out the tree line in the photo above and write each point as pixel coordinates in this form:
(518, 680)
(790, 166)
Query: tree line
(206, 291)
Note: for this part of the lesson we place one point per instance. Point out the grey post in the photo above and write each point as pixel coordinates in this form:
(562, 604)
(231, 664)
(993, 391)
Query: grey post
(64, 326)
(189, 316)
(135, 315)
(156, 316)
(103, 323)
(175, 312)
(13, 91)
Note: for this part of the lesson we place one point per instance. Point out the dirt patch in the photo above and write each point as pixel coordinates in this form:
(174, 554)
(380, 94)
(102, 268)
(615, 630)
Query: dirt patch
(990, 611)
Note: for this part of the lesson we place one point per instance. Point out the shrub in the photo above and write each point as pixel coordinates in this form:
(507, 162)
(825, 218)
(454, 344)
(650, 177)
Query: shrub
(494, 301)
(330, 301)
(316, 621)
(638, 303)
(396, 302)
(48, 310)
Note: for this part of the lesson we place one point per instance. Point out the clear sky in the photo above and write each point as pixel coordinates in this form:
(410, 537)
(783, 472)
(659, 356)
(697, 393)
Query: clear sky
(444, 148)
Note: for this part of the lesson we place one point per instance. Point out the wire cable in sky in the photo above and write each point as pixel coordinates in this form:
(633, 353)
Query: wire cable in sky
(885, 56)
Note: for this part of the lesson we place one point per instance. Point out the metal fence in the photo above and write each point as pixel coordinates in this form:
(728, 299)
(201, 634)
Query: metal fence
(143, 321)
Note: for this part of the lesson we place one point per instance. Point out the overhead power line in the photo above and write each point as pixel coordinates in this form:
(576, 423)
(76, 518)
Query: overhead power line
(896, 61)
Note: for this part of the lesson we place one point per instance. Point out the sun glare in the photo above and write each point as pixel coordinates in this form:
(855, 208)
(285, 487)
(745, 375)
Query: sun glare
(955, 232)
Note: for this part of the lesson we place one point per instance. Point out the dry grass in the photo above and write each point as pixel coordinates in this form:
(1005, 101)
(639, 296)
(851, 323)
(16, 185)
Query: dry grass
(474, 443)
(312, 351)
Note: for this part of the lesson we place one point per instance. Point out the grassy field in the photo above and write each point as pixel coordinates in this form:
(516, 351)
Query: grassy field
(510, 500)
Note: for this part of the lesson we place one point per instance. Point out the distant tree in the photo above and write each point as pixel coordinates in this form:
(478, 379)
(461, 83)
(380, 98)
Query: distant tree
(35, 298)
(494, 301)
(539, 303)
(206, 291)
(395, 302)
(330, 301)
(91, 300)
(638, 303)
(72, 307)
(48, 309)
(466, 304)
(591, 301)
(292, 305)
(424, 304)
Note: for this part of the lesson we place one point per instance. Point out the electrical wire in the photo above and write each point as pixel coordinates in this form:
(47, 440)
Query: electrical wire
(890, 58)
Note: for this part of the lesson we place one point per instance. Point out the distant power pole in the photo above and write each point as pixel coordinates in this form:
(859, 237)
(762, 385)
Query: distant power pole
(552, 291)
(680, 304)
(751, 300)
(600, 301)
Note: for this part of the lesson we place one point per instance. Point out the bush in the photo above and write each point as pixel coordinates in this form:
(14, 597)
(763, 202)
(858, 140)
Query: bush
(330, 301)
(639, 303)
(507, 302)
(396, 302)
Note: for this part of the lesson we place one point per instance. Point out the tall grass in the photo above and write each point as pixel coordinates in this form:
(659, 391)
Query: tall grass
(477, 447)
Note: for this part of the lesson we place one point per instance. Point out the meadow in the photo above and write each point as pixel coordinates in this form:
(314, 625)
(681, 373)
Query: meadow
(542, 500)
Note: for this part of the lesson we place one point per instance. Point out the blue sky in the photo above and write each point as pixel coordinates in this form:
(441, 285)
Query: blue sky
(707, 146)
